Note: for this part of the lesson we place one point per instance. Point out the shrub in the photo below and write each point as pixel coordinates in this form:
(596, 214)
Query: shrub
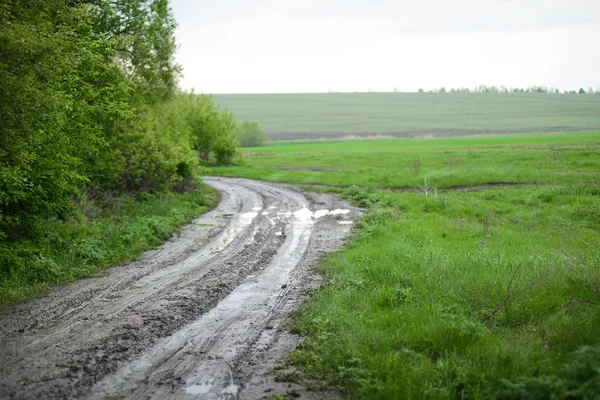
(251, 134)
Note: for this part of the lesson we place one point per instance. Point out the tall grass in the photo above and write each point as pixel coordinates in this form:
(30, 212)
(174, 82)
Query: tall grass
(419, 305)
(103, 234)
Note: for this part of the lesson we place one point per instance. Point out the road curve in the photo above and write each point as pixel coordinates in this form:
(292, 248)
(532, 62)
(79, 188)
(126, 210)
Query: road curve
(198, 317)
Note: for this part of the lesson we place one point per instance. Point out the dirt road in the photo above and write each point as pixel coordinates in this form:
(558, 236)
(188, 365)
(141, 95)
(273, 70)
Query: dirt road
(199, 317)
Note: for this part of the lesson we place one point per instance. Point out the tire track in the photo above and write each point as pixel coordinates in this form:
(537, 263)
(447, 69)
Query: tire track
(180, 322)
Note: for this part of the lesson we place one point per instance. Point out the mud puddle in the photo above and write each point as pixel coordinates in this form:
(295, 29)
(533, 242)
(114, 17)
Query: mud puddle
(200, 317)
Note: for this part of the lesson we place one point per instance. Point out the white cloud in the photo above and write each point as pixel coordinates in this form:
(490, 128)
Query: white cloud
(289, 48)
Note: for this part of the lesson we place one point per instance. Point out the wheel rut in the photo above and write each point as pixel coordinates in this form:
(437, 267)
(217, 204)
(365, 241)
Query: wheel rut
(199, 317)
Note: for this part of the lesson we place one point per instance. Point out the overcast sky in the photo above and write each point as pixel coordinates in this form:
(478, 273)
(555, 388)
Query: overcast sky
(278, 46)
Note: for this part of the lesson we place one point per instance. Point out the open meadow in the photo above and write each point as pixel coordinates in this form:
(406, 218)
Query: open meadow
(433, 244)
(475, 274)
(334, 115)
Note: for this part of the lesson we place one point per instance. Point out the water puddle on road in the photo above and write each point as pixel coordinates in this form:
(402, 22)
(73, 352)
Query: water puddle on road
(306, 213)
(205, 388)
(339, 211)
(212, 379)
(320, 213)
(240, 297)
(199, 389)
(244, 220)
(303, 213)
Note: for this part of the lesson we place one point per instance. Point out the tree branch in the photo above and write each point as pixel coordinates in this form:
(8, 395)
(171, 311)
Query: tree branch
(510, 296)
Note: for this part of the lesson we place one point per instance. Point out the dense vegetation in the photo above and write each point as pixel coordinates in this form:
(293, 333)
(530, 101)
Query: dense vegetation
(334, 115)
(90, 112)
(475, 274)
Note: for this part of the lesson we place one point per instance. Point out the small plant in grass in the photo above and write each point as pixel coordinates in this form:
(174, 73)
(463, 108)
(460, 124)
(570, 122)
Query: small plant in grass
(416, 164)
(425, 190)
(511, 294)
(556, 153)
(584, 270)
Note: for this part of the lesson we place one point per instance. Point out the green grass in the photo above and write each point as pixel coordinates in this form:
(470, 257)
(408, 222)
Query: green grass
(409, 310)
(118, 230)
(405, 163)
(468, 292)
(322, 115)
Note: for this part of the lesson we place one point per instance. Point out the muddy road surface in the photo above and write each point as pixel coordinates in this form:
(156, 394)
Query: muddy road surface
(202, 316)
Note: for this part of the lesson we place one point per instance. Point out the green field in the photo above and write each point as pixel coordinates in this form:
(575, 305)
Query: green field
(483, 282)
(334, 115)
(406, 163)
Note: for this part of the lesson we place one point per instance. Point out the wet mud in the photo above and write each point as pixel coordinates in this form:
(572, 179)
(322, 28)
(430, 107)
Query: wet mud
(202, 316)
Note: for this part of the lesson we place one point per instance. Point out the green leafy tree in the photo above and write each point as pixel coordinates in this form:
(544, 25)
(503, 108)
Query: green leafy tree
(88, 98)
(78, 83)
(49, 61)
(213, 131)
(142, 32)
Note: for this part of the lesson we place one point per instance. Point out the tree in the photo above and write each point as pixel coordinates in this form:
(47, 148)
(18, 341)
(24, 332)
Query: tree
(50, 60)
(213, 132)
(252, 134)
(77, 81)
(142, 32)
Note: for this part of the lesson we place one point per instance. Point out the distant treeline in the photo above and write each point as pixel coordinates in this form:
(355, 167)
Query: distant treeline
(89, 104)
(504, 89)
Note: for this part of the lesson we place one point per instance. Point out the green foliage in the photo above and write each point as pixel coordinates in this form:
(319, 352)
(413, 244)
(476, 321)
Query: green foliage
(50, 60)
(578, 379)
(252, 134)
(213, 130)
(89, 106)
(403, 314)
(122, 228)
(143, 41)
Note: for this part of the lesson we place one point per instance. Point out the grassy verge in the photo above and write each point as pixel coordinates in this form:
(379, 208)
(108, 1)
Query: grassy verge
(117, 230)
(467, 295)
(482, 292)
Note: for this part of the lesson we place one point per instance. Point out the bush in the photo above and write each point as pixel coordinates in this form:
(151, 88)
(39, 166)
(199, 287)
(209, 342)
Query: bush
(580, 379)
(252, 134)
